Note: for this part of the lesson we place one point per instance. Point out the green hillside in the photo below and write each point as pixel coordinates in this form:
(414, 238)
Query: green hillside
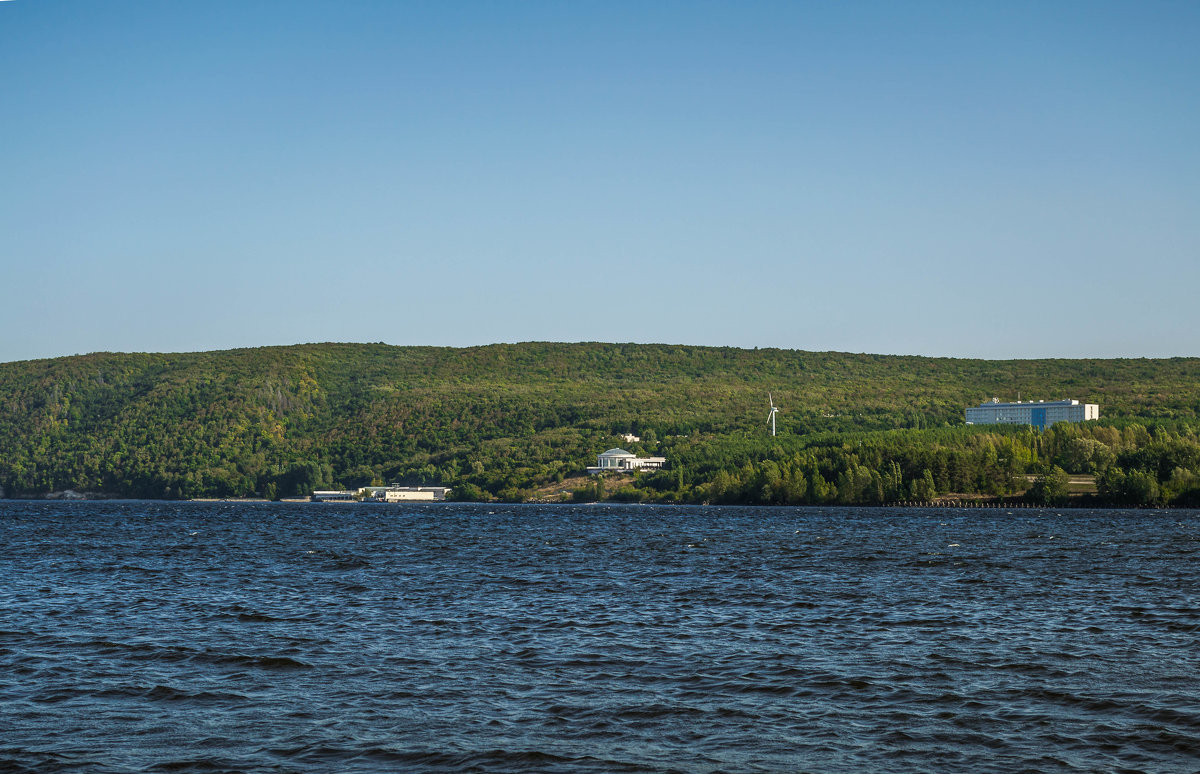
(500, 421)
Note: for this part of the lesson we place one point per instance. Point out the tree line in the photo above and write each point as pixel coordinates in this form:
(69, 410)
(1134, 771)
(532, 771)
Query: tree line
(502, 421)
(1132, 465)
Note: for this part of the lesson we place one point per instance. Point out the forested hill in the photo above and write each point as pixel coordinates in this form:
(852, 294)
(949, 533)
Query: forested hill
(497, 421)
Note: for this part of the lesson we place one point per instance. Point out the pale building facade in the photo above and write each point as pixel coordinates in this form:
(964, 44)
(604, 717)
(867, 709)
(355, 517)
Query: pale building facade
(1041, 414)
(384, 494)
(400, 494)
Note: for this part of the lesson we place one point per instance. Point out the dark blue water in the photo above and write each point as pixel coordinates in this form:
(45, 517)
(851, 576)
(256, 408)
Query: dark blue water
(306, 638)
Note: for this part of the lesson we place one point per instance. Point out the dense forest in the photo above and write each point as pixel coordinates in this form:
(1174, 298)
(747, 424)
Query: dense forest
(506, 421)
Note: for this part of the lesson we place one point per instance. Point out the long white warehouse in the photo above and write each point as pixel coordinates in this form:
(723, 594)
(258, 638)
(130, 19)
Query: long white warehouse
(1041, 414)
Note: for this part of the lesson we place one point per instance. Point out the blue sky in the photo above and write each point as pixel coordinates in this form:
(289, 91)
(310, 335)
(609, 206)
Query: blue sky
(964, 179)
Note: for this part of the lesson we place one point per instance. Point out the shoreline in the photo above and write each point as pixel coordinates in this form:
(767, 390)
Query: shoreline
(946, 504)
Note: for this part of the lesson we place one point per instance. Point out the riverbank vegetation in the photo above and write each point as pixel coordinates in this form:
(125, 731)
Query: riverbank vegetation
(507, 422)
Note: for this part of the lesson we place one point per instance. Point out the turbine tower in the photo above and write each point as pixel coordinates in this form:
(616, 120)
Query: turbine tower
(774, 411)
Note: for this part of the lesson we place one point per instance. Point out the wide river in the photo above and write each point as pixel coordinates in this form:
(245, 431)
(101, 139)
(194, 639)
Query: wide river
(223, 637)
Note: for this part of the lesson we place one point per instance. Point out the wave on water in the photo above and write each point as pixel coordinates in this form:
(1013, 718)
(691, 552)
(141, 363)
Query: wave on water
(198, 637)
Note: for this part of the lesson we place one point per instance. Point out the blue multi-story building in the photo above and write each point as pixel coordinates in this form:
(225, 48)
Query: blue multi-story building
(1040, 413)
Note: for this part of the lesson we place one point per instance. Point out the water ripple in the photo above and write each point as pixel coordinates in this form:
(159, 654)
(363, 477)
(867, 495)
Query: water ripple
(141, 637)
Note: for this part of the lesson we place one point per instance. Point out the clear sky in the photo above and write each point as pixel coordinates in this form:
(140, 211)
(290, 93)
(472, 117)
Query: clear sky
(970, 179)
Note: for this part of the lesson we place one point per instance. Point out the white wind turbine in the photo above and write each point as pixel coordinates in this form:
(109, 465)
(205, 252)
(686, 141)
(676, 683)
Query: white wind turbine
(774, 411)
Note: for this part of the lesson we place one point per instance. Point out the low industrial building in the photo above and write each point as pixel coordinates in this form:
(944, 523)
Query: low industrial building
(332, 496)
(400, 494)
(1041, 414)
(383, 494)
(621, 461)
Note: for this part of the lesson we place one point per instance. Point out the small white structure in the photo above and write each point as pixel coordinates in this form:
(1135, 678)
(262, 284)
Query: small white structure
(621, 461)
(1040, 414)
(630, 438)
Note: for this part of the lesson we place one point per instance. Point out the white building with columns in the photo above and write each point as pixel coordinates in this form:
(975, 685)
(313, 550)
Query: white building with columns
(621, 461)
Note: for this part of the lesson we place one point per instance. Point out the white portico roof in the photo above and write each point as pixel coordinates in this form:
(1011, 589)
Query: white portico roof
(617, 453)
